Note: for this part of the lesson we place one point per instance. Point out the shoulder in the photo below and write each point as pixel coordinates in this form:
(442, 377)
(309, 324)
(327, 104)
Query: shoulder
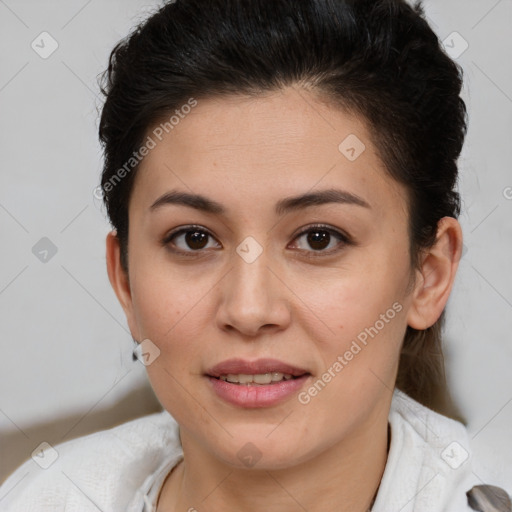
(432, 453)
(100, 470)
(424, 424)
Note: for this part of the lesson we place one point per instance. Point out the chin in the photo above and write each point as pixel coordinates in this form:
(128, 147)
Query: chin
(259, 452)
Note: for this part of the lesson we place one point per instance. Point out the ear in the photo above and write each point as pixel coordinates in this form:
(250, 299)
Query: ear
(436, 276)
(119, 280)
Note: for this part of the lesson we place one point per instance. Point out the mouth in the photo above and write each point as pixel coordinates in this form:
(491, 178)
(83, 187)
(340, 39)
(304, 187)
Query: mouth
(260, 383)
(260, 379)
(259, 372)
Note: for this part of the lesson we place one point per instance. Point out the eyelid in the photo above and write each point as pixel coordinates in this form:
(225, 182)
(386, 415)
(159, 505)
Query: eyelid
(187, 227)
(324, 227)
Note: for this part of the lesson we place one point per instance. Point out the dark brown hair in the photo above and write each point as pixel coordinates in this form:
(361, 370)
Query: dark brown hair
(378, 59)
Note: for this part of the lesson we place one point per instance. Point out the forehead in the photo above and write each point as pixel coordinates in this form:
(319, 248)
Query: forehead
(245, 148)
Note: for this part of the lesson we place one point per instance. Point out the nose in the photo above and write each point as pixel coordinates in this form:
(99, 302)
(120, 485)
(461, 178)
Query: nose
(254, 298)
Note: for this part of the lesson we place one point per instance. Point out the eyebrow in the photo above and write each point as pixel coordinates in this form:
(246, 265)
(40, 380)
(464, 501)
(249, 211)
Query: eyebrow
(283, 206)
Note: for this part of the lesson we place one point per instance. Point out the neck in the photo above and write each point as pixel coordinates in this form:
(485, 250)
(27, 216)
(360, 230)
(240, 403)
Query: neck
(344, 478)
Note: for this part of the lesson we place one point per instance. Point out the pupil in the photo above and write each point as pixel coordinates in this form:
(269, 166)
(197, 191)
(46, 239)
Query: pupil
(317, 239)
(196, 239)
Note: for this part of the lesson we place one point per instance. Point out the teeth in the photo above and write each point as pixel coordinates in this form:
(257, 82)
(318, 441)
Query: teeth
(267, 378)
(262, 378)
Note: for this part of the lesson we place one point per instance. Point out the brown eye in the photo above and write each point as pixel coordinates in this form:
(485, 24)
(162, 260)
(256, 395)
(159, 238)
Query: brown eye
(318, 240)
(188, 240)
(323, 240)
(196, 239)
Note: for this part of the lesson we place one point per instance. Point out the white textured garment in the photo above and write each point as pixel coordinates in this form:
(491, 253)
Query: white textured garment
(429, 467)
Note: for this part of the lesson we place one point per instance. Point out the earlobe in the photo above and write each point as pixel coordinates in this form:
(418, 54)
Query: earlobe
(436, 276)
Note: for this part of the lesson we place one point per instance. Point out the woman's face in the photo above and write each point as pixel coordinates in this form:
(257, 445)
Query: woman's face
(252, 281)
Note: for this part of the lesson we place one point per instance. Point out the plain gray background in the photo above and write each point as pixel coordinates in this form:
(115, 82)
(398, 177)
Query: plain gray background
(66, 348)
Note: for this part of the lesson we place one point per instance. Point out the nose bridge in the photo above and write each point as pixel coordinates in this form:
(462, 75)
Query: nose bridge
(252, 298)
(250, 272)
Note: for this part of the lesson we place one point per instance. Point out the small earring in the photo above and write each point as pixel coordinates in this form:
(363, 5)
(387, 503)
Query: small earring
(136, 349)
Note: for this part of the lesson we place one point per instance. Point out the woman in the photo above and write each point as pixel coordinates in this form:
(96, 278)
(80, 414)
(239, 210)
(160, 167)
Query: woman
(280, 177)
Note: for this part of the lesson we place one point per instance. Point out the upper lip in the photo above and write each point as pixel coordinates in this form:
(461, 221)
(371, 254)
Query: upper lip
(259, 366)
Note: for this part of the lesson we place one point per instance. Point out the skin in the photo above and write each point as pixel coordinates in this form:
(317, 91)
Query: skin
(329, 454)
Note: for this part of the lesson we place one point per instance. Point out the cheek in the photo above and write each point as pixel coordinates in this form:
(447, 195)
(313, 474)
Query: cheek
(350, 299)
(363, 307)
(166, 305)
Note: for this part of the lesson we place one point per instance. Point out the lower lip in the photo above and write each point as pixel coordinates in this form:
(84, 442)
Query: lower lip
(262, 395)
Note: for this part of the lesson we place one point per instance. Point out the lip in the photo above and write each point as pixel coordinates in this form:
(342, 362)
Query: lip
(242, 366)
(256, 396)
(237, 366)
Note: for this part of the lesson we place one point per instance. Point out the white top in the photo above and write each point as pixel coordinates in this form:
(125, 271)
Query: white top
(122, 469)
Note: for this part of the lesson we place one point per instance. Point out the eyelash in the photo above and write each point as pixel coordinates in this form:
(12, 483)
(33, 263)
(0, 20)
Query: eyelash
(342, 237)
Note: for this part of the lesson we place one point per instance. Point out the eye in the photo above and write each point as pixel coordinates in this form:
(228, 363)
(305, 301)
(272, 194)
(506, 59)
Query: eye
(320, 238)
(192, 237)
